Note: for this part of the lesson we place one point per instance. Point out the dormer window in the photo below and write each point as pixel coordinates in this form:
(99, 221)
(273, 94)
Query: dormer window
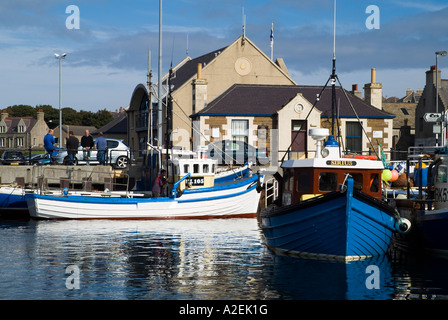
(21, 128)
(2, 129)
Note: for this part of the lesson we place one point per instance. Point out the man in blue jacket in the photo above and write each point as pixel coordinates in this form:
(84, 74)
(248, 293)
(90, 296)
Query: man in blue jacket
(49, 143)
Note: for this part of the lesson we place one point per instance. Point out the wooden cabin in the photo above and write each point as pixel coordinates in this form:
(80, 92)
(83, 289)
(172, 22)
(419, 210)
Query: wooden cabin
(307, 178)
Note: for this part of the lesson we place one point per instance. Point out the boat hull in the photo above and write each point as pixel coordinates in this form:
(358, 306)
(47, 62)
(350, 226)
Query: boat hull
(239, 199)
(432, 226)
(341, 226)
(13, 202)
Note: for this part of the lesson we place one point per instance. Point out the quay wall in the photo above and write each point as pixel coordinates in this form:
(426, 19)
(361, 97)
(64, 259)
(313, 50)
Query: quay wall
(29, 175)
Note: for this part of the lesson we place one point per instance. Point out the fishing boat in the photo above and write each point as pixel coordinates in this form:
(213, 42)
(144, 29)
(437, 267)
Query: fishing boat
(331, 208)
(427, 208)
(13, 202)
(194, 194)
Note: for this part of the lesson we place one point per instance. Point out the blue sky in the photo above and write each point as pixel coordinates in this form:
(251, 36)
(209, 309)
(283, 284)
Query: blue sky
(108, 54)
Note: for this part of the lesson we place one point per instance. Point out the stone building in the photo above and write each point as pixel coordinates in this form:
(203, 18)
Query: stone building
(280, 116)
(23, 132)
(425, 132)
(196, 82)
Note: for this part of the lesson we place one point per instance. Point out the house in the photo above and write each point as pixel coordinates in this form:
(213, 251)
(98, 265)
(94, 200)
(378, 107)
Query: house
(22, 133)
(196, 82)
(404, 122)
(278, 117)
(429, 133)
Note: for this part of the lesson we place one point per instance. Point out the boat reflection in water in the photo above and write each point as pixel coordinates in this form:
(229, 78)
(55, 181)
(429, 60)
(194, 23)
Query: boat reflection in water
(178, 259)
(159, 260)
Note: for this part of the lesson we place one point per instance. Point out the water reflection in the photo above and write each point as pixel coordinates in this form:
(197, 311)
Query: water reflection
(204, 259)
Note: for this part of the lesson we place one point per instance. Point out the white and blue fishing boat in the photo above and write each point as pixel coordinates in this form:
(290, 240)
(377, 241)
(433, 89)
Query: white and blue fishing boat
(193, 195)
(13, 202)
(331, 208)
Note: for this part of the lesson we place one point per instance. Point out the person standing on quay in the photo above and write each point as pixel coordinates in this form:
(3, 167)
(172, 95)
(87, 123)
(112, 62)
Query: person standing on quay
(72, 147)
(87, 144)
(101, 146)
(49, 144)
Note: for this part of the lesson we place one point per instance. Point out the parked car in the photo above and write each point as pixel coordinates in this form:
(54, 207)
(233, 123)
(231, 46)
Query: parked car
(39, 159)
(237, 152)
(118, 154)
(13, 157)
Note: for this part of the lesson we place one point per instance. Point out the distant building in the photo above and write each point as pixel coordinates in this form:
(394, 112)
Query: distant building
(117, 128)
(250, 112)
(23, 132)
(424, 131)
(404, 122)
(196, 82)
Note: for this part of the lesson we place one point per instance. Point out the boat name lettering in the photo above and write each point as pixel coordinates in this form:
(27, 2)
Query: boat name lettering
(441, 194)
(341, 163)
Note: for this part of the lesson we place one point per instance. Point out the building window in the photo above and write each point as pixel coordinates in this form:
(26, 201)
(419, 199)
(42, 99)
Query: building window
(19, 142)
(2, 129)
(21, 129)
(2, 142)
(353, 136)
(240, 130)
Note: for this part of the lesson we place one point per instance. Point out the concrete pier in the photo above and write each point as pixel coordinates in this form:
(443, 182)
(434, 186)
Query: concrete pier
(30, 175)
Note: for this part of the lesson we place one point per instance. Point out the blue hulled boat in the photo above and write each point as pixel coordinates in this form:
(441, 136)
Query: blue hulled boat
(331, 208)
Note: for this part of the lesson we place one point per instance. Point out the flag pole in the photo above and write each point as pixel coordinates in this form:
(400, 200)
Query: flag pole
(272, 41)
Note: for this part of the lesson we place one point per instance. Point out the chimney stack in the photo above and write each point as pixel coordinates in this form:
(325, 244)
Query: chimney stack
(4, 115)
(199, 71)
(373, 91)
(356, 92)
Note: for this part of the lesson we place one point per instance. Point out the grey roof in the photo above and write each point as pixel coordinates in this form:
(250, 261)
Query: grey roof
(13, 122)
(267, 100)
(190, 68)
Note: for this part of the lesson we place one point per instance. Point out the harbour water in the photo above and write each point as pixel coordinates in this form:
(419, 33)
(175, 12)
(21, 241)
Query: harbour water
(192, 260)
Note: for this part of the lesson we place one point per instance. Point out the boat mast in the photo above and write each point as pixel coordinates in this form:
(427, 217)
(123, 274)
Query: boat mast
(169, 119)
(160, 104)
(333, 75)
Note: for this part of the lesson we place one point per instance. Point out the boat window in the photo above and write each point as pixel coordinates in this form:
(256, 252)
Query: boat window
(205, 168)
(195, 168)
(186, 168)
(213, 168)
(441, 173)
(357, 181)
(374, 182)
(328, 181)
(303, 182)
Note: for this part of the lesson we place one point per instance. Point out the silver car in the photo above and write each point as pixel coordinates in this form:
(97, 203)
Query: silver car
(118, 154)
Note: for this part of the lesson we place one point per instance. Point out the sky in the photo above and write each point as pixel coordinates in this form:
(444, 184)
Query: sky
(107, 43)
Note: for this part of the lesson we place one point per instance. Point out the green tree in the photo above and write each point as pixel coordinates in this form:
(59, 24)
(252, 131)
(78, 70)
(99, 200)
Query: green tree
(21, 110)
(103, 117)
(51, 115)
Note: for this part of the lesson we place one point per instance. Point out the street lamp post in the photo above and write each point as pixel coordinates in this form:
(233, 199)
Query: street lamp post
(439, 53)
(60, 57)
